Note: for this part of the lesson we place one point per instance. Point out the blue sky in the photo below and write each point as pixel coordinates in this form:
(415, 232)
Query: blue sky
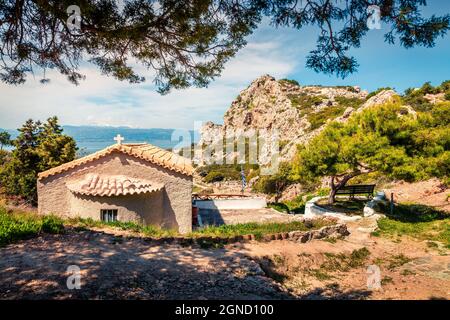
(385, 65)
(280, 52)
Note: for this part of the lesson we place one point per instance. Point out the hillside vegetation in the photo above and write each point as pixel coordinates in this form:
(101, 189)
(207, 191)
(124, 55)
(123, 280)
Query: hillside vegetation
(343, 132)
(390, 139)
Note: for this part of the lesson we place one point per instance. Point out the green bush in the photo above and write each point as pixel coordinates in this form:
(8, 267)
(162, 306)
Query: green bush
(214, 176)
(52, 224)
(279, 207)
(5, 156)
(216, 172)
(17, 226)
(305, 101)
(416, 97)
(265, 184)
(38, 147)
(317, 119)
(349, 102)
(447, 95)
(296, 205)
(290, 81)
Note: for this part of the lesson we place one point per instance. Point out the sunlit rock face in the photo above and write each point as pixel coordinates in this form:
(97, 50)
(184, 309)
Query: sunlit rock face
(290, 112)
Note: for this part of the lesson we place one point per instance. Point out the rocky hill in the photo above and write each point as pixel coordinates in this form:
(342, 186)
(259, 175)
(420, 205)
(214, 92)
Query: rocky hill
(297, 112)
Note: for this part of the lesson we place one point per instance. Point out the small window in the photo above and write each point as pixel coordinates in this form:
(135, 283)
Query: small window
(108, 215)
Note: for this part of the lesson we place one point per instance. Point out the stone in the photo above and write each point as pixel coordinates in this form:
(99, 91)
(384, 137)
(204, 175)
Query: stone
(378, 99)
(348, 112)
(291, 192)
(368, 211)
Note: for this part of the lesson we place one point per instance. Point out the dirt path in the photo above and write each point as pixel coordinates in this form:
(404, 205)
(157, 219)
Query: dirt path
(131, 268)
(124, 268)
(409, 269)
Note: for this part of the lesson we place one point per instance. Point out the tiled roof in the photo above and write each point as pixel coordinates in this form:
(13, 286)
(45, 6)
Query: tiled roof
(146, 152)
(104, 185)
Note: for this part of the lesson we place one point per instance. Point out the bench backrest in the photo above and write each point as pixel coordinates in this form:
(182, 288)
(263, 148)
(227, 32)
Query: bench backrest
(355, 189)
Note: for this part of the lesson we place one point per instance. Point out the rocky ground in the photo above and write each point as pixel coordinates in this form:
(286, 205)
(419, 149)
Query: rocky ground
(431, 193)
(408, 269)
(131, 268)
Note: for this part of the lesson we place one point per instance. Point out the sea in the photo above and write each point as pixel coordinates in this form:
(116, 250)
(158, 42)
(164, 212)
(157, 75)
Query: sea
(90, 139)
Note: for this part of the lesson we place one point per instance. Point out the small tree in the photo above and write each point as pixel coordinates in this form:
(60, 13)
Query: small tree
(38, 147)
(382, 138)
(5, 139)
(275, 184)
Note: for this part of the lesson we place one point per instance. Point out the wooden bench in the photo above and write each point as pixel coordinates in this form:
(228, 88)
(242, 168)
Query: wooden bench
(353, 190)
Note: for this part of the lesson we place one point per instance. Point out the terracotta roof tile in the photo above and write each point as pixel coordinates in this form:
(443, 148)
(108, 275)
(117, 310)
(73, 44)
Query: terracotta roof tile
(146, 152)
(107, 186)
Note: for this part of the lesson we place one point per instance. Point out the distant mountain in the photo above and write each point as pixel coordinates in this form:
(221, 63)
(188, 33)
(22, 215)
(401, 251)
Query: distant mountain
(93, 138)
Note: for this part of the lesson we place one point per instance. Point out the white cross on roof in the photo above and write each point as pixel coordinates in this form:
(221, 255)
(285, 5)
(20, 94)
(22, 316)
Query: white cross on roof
(119, 139)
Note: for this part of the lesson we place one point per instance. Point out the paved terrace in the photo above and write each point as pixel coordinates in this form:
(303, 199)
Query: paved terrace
(235, 216)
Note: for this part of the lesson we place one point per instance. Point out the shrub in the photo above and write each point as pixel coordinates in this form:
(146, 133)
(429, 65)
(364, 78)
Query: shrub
(216, 172)
(38, 147)
(447, 95)
(349, 102)
(279, 207)
(214, 176)
(415, 97)
(5, 156)
(265, 184)
(17, 226)
(290, 81)
(52, 224)
(305, 101)
(317, 119)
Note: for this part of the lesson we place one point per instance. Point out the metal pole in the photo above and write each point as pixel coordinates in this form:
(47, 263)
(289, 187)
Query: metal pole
(392, 203)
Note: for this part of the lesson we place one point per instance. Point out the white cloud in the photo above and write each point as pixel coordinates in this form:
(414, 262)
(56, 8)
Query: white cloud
(102, 100)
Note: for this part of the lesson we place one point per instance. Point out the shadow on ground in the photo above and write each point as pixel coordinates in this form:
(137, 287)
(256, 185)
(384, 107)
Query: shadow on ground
(131, 268)
(127, 268)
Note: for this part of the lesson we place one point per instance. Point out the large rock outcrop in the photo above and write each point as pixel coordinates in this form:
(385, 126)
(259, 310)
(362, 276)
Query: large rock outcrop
(296, 112)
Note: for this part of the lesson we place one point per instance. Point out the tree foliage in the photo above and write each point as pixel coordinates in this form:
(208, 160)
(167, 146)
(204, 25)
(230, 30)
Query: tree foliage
(275, 184)
(390, 139)
(5, 139)
(188, 42)
(38, 147)
(416, 97)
